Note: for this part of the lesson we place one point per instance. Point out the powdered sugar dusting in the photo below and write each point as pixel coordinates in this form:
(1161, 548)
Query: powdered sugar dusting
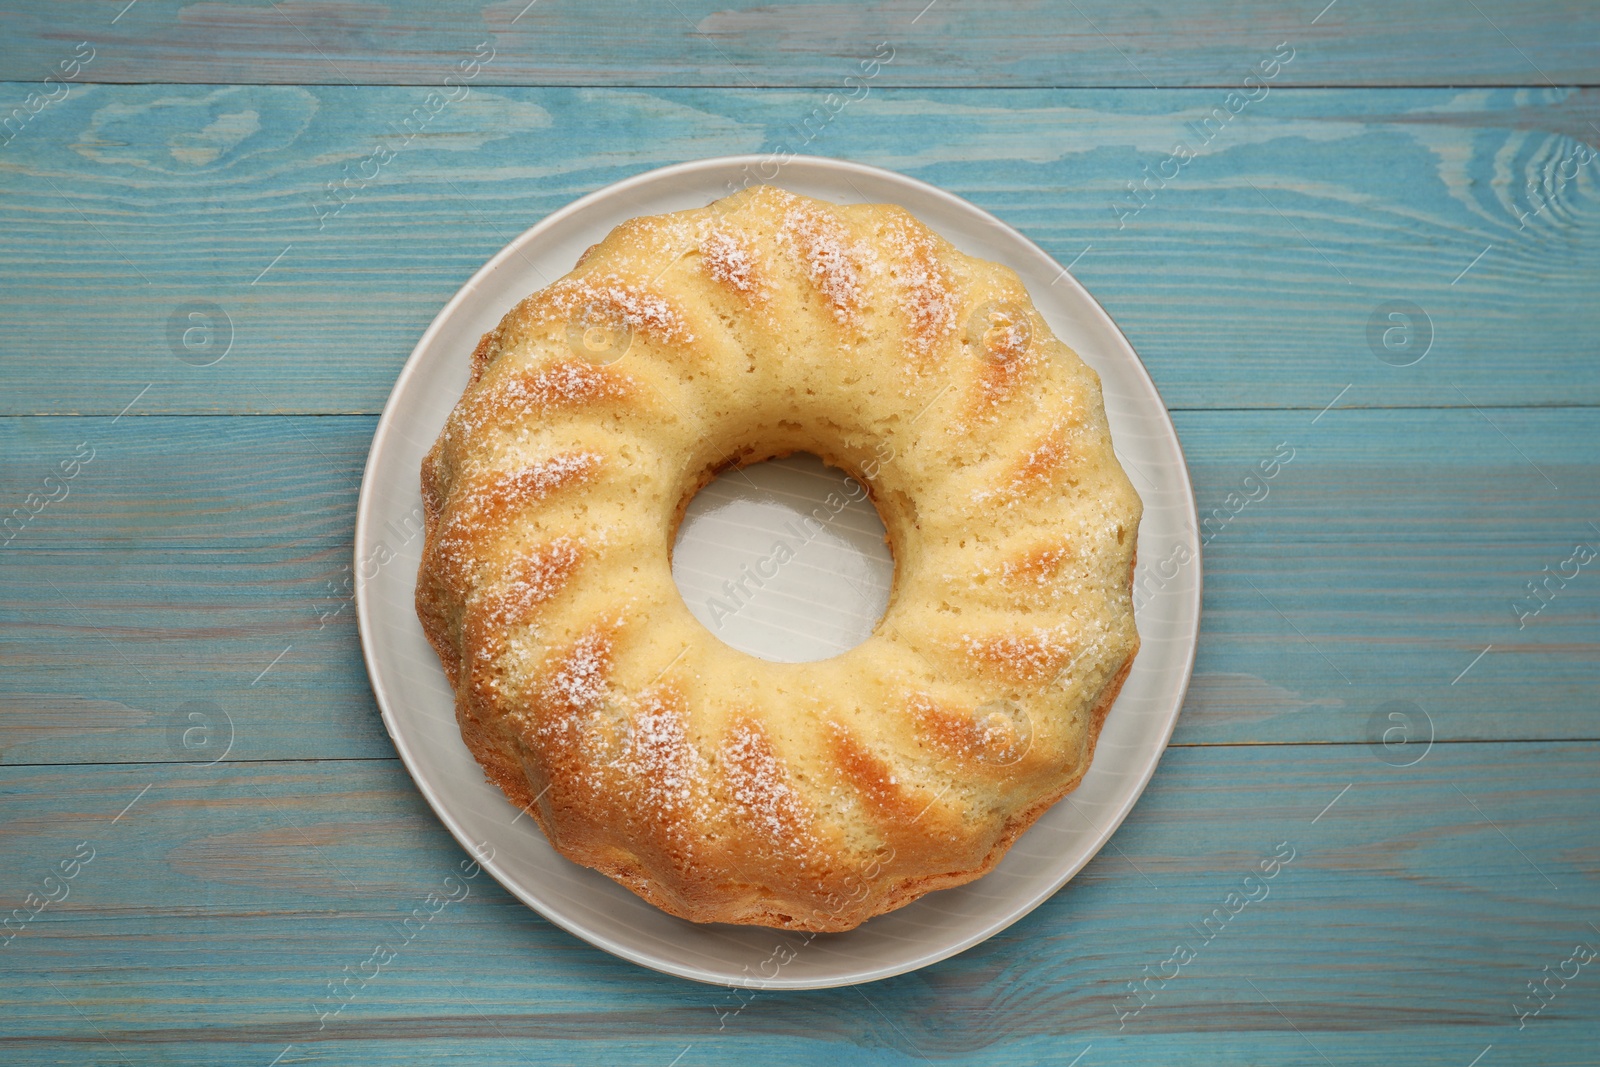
(485, 507)
(832, 261)
(1032, 575)
(928, 297)
(534, 580)
(532, 484)
(577, 683)
(665, 771)
(1030, 656)
(760, 788)
(1007, 354)
(1037, 567)
(1008, 340)
(998, 381)
(616, 297)
(969, 733)
(568, 384)
(1041, 461)
(729, 259)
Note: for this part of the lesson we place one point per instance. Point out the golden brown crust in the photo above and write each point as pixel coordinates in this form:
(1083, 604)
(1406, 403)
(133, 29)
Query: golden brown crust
(483, 355)
(1019, 823)
(719, 787)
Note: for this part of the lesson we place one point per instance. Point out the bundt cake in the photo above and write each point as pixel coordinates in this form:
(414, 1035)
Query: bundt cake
(718, 786)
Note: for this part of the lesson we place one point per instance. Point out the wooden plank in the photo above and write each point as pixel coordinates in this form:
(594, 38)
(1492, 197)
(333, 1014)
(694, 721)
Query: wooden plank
(1260, 276)
(203, 560)
(1388, 564)
(736, 45)
(196, 565)
(220, 904)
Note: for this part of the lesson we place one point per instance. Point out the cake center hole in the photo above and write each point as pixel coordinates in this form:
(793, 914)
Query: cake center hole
(784, 560)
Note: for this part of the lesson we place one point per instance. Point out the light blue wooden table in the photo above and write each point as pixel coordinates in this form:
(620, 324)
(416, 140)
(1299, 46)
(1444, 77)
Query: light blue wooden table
(196, 345)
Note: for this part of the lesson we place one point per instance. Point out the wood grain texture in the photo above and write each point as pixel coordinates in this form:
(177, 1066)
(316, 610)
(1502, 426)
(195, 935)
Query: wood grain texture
(739, 45)
(218, 907)
(184, 598)
(1249, 280)
(1388, 552)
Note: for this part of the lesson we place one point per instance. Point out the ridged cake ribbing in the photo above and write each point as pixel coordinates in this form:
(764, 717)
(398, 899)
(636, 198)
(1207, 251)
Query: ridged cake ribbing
(715, 785)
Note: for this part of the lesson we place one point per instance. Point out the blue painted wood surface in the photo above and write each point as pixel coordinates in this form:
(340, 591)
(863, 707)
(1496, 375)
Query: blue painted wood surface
(746, 43)
(183, 551)
(1249, 280)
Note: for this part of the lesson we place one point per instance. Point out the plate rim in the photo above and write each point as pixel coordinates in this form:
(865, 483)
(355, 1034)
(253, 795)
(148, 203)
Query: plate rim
(1014, 912)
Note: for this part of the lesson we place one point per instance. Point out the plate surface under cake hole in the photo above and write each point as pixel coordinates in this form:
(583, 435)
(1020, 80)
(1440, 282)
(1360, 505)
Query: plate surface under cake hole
(771, 563)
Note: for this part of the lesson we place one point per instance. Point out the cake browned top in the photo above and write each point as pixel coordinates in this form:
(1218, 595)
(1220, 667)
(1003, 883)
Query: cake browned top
(723, 787)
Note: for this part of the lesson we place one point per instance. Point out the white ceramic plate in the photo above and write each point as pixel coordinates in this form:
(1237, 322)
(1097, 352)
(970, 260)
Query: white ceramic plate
(415, 696)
